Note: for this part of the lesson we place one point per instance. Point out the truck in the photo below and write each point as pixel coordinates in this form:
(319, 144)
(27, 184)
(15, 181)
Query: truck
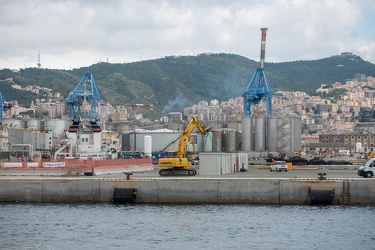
(180, 164)
(368, 170)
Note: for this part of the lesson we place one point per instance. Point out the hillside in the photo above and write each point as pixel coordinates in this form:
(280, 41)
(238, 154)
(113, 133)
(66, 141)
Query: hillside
(172, 83)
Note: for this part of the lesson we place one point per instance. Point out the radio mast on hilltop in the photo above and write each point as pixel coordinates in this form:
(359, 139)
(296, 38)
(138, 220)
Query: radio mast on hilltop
(39, 64)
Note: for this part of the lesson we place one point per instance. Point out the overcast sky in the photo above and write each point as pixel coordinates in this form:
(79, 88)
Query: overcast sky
(73, 34)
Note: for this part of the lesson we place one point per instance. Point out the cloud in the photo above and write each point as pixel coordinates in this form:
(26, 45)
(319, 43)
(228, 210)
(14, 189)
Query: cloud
(71, 34)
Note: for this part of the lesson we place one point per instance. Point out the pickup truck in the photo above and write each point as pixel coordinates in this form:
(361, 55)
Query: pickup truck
(368, 170)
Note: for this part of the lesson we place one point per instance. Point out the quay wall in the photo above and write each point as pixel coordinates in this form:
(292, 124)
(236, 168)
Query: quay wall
(187, 190)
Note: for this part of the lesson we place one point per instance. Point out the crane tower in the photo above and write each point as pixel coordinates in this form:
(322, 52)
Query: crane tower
(1, 106)
(84, 101)
(258, 88)
(4, 106)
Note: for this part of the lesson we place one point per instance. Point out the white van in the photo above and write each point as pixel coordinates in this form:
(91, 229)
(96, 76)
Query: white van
(368, 170)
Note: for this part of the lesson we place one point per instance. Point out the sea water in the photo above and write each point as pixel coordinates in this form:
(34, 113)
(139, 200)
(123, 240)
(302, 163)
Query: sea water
(107, 226)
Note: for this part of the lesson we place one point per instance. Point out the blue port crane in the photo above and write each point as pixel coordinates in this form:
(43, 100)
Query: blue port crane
(3, 106)
(258, 88)
(84, 101)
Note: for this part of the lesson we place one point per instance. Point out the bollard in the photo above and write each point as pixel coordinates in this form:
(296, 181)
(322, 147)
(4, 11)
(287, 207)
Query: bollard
(322, 176)
(128, 174)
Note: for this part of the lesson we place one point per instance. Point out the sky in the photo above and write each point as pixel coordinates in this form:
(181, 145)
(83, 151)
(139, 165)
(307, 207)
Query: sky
(79, 33)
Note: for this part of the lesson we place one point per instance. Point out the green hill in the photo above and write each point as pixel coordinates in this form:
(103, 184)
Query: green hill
(172, 83)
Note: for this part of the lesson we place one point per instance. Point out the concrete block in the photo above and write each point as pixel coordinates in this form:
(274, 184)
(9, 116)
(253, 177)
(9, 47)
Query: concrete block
(22, 190)
(185, 191)
(248, 191)
(71, 190)
(362, 191)
(148, 191)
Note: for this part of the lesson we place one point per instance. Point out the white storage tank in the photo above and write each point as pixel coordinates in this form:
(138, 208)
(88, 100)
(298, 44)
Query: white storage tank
(148, 146)
(58, 126)
(14, 123)
(207, 142)
(33, 124)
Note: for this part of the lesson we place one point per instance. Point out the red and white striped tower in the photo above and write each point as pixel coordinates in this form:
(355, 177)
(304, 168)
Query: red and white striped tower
(263, 47)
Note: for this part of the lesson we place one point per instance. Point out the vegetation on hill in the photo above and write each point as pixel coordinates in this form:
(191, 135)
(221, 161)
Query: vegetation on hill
(172, 83)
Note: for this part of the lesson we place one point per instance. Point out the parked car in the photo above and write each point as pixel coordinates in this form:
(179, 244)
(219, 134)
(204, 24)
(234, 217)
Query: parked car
(279, 166)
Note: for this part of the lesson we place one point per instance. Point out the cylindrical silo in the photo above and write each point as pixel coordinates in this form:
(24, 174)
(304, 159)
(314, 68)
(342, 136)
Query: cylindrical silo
(217, 141)
(260, 134)
(246, 134)
(33, 124)
(148, 145)
(57, 126)
(252, 136)
(207, 143)
(272, 134)
(231, 141)
(296, 131)
(14, 123)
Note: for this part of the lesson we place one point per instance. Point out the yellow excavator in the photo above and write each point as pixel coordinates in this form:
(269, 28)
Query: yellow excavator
(181, 165)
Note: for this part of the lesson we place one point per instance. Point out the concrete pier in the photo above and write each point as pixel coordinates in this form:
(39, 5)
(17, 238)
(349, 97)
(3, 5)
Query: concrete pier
(181, 190)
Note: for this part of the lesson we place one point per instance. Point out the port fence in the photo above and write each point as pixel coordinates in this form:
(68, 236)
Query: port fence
(75, 166)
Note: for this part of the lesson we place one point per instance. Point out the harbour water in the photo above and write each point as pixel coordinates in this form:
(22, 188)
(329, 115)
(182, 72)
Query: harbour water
(107, 226)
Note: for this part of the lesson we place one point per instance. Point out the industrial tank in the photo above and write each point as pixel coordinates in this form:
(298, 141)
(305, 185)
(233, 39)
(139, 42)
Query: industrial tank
(296, 132)
(217, 141)
(148, 145)
(272, 134)
(58, 126)
(14, 123)
(246, 134)
(207, 143)
(230, 140)
(260, 134)
(33, 124)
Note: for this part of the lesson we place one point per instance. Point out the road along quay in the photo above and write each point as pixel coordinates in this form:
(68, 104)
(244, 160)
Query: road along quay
(241, 188)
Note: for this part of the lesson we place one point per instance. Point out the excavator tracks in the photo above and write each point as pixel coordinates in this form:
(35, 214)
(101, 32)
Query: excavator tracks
(178, 172)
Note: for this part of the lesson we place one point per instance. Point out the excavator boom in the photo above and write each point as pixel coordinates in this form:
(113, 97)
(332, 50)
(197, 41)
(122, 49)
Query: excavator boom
(177, 166)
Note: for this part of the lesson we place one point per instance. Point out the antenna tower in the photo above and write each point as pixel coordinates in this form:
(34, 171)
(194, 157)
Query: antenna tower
(39, 64)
